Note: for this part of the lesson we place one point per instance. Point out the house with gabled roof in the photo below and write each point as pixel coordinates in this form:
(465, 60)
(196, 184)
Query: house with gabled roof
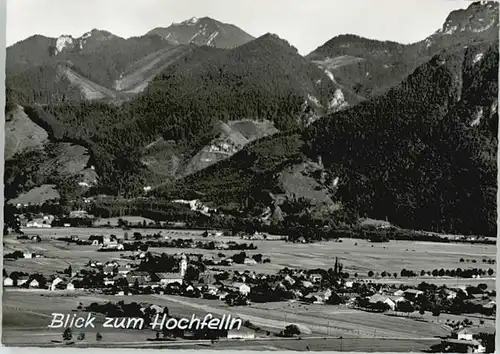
(412, 294)
(34, 284)
(166, 278)
(384, 299)
(22, 280)
(8, 281)
(143, 279)
(463, 334)
(452, 345)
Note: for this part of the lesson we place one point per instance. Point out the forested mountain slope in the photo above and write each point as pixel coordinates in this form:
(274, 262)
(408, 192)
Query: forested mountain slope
(265, 79)
(422, 155)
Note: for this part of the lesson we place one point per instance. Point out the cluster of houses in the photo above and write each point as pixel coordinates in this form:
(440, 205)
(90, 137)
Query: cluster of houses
(255, 236)
(197, 205)
(39, 221)
(466, 340)
(44, 221)
(112, 274)
(391, 299)
(212, 233)
(107, 242)
(223, 147)
(21, 280)
(22, 254)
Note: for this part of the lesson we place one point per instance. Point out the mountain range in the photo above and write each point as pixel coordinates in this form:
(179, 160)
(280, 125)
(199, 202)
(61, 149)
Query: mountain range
(201, 109)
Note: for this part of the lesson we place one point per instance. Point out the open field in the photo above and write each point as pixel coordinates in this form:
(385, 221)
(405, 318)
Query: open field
(25, 321)
(358, 256)
(23, 317)
(274, 344)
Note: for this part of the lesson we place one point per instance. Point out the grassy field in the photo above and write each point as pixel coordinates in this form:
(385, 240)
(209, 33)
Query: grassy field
(23, 317)
(25, 320)
(358, 256)
(130, 219)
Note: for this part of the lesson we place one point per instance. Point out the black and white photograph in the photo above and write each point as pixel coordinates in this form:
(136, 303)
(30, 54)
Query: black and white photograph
(265, 175)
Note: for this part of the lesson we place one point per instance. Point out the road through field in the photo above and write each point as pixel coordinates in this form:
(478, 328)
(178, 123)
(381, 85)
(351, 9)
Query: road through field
(341, 321)
(260, 321)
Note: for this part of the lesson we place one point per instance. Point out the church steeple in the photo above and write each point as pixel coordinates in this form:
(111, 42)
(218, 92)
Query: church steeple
(183, 265)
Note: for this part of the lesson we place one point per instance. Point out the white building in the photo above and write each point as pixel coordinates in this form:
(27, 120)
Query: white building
(399, 293)
(22, 280)
(250, 261)
(55, 282)
(7, 281)
(34, 284)
(241, 333)
(244, 289)
(465, 334)
(171, 278)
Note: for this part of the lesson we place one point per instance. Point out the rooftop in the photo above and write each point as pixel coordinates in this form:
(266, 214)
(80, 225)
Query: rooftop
(462, 342)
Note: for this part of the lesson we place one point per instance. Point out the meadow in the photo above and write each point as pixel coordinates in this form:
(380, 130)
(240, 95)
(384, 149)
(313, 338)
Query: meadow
(358, 256)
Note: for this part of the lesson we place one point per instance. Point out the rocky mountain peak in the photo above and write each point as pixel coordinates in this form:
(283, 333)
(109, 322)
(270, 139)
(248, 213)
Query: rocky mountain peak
(203, 31)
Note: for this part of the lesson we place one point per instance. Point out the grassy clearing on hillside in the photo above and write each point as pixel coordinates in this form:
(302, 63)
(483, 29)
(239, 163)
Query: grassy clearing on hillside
(37, 195)
(68, 159)
(21, 133)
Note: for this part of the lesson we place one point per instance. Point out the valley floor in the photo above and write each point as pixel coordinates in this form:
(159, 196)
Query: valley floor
(25, 321)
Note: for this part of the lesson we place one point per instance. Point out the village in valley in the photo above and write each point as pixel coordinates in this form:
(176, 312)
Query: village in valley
(127, 270)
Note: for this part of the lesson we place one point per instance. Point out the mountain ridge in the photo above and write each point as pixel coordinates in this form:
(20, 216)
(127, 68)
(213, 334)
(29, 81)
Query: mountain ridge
(374, 128)
(369, 67)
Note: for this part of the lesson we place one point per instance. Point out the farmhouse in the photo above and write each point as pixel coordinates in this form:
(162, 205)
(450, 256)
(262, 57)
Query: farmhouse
(7, 281)
(384, 299)
(249, 261)
(462, 346)
(463, 334)
(315, 298)
(34, 284)
(241, 333)
(315, 277)
(307, 284)
(397, 299)
(289, 280)
(55, 283)
(143, 280)
(124, 270)
(244, 289)
(412, 294)
(399, 293)
(22, 280)
(108, 269)
(169, 278)
(451, 294)
(96, 240)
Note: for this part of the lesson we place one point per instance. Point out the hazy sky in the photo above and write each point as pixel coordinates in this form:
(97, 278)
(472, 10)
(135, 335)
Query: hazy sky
(306, 24)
